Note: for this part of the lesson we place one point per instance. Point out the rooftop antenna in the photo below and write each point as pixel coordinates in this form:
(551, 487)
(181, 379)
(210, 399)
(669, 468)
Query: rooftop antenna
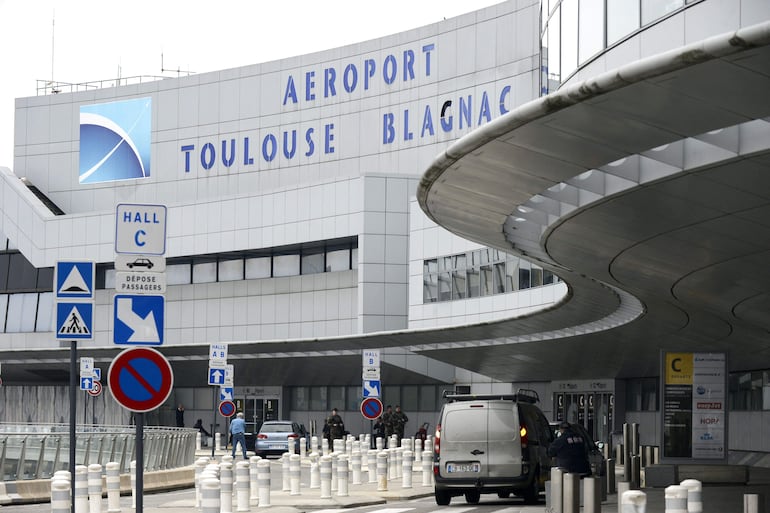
(178, 70)
(54, 90)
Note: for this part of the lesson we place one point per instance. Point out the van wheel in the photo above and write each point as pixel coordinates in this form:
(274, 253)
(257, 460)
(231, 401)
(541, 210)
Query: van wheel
(472, 496)
(442, 497)
(532, 494)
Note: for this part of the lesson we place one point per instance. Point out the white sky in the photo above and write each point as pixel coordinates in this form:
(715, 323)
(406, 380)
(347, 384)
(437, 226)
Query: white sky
(101, 39)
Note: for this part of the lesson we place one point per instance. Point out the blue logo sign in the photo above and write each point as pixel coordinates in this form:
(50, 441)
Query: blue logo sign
(74, 280)
(216, 376)
(139, 320)
(115, 141)
(74, 321)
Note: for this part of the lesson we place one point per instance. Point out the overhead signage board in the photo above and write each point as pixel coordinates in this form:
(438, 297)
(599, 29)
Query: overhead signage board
(140, 379)
(154, 263)
(140, 229)
(74, 280)
(138, 320)
(139, 282)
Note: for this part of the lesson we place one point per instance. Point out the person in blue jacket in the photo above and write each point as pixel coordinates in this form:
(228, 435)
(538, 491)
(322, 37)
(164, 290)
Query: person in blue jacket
(238, 430)
(570, 452)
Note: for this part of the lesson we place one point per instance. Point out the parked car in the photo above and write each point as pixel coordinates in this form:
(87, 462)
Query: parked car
(273, 437)
(491, 444)
(595, 454)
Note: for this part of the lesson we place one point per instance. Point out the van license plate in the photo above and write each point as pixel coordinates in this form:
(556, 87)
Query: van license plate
(463, 467)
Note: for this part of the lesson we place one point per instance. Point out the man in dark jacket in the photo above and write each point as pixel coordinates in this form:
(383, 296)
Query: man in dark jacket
(570, 451)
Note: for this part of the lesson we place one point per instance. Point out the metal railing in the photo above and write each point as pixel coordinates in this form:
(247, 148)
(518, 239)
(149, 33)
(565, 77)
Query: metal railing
(45, 87)
(36, 452)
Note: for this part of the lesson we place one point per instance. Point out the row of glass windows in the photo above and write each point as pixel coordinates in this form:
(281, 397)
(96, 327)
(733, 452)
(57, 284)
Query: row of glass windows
(574, 31)
(411, 398)
(482, 272)
(26, 301)
(747, 391)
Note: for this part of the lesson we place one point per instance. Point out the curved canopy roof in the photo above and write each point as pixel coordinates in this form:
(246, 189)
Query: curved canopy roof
(651, 183)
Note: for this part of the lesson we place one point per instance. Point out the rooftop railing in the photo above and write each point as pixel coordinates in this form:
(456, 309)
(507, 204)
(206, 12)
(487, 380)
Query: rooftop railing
(36, 452)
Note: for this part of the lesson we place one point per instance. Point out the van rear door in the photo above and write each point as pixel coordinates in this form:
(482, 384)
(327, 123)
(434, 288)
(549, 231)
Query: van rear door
(464, 450)
(504, 442)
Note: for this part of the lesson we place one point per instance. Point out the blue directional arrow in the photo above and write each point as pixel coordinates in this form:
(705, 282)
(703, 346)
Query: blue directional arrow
(216, 376)
(86, 384)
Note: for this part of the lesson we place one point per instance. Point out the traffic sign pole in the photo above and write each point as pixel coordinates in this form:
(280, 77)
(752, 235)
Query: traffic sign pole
(74, 373)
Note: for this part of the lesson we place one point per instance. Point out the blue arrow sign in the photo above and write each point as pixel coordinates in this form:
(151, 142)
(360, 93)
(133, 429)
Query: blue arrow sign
(216, 377)
(86, 384)
(74, 321)
(139, 320)
(225, 394)
(372, 388)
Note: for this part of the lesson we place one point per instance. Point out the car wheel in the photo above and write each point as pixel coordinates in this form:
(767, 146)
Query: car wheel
(503, 495)
(472, 496)
(532, 494)
(442, 497)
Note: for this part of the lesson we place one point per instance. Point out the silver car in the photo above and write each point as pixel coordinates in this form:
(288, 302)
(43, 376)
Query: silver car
(273, 437)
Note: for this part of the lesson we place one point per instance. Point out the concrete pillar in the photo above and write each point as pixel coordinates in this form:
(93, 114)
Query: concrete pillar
(60, 496)
(294, 468)
(325, 464)
(636, 472)
(113, 487)
(676, 499)
(253, 488)
(427, 468)
(571, 491)
(285, 475)
(210, 495)
(751, 503)
(592, 495)
(694, 495)
(355, 463)
(406, 475)
(226, 486)
(95, 488)
(609, 474)
(342, 475)
(632, 501)
(242, 486)
(81, 489)
(315, 475)
(371, 464)
(382, 471)
(263, 483)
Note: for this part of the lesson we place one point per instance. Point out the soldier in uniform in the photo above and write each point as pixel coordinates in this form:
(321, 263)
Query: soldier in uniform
(387, 419)
(336, 426)
(399, 420)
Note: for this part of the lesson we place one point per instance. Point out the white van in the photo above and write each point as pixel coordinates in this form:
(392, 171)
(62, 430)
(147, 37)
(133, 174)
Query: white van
(491, 444)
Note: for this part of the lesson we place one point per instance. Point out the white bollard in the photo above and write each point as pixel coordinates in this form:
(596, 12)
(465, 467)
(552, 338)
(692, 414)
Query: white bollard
(132, 466)
(263, 483)
(428, 445)
(81, 489)
(294, 469)
(427, 468)
(382, 471)
(571, 491)
(676, 499)
(303, 447)
(623, 487)
(342, 475)
(226, 485)
(417, 451)
(633, 501)
(314, 444)
(253, 488)
(355, 462)
(218, 441)
(324, 446)
(338, 445)
(198, 441)
(592, 495)
(694, 495)
(325, 464)
(315, 474)
(113, 487)
(371, 465)
(60, 496)
(334, 456)
(751, 503)
(285, 476)
(242, 488)
(399, 460)
(406, 474)
(379, 444)
(210, 495)
(555, 499)
(200, 465)
(95, 488)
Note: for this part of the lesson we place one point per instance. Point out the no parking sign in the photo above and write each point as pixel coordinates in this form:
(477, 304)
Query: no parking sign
(140, 379)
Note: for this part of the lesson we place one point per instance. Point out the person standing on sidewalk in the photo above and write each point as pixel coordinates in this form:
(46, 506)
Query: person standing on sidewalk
(238, 430)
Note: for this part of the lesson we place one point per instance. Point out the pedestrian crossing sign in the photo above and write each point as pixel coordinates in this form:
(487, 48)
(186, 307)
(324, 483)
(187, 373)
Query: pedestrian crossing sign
(74, 321)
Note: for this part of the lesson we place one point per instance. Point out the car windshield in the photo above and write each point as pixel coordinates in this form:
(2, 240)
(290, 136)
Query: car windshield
(277, 428)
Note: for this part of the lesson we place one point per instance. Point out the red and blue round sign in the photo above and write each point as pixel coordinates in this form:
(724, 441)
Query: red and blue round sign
(140, 379)
(227, 408)
(371, 408)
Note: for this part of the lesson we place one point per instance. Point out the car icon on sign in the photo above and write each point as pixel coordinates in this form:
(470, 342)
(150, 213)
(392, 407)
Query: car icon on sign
(140, 262)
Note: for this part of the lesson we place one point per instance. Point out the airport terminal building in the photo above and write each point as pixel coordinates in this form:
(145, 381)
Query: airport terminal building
(344, 200)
